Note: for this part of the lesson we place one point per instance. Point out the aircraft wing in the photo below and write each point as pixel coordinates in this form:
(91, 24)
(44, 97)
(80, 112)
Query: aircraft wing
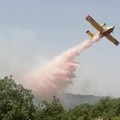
(112, 39)
(94, 23)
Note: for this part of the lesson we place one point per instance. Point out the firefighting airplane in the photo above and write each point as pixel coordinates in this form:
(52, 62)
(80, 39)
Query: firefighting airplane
(104, 31)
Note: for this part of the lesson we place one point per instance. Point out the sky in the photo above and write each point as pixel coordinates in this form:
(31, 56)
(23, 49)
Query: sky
(32, 32)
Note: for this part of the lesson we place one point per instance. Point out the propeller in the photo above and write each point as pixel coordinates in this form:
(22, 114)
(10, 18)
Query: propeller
(113, 29)
(104, 24)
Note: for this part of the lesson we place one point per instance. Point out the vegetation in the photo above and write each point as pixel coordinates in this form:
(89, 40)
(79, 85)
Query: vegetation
(16, 103)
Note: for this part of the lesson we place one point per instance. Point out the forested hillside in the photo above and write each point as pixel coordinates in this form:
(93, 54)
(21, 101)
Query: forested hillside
(71, 100)
(16, 103)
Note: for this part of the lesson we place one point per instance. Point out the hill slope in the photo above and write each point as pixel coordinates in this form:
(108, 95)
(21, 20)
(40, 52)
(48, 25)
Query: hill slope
(71, 100)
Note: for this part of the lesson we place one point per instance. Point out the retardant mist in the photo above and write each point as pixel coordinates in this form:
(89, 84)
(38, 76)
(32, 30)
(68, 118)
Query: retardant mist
(55, 76)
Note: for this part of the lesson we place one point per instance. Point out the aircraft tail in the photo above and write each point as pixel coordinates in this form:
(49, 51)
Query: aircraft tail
(90, 33)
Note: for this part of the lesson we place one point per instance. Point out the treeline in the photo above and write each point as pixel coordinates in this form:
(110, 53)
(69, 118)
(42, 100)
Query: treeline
(16, 103)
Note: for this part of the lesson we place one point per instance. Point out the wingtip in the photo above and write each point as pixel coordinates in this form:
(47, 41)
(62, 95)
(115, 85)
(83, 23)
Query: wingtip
(118, 43)
(88, 16)
(87, 31)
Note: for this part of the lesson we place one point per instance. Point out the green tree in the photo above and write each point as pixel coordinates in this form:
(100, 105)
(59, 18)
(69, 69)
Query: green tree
(82, 112)
(15, 101)
(51, 110)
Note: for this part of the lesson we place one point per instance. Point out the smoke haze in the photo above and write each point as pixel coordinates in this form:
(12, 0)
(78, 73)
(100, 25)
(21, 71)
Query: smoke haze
(55, 76)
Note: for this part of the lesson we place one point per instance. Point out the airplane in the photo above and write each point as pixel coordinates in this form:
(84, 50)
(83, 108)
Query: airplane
(104, 31)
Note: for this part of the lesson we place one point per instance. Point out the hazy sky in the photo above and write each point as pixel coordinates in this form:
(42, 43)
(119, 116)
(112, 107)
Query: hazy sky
(32, 32)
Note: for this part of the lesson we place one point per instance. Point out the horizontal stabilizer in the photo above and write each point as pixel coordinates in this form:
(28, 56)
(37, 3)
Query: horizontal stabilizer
(90, 33)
